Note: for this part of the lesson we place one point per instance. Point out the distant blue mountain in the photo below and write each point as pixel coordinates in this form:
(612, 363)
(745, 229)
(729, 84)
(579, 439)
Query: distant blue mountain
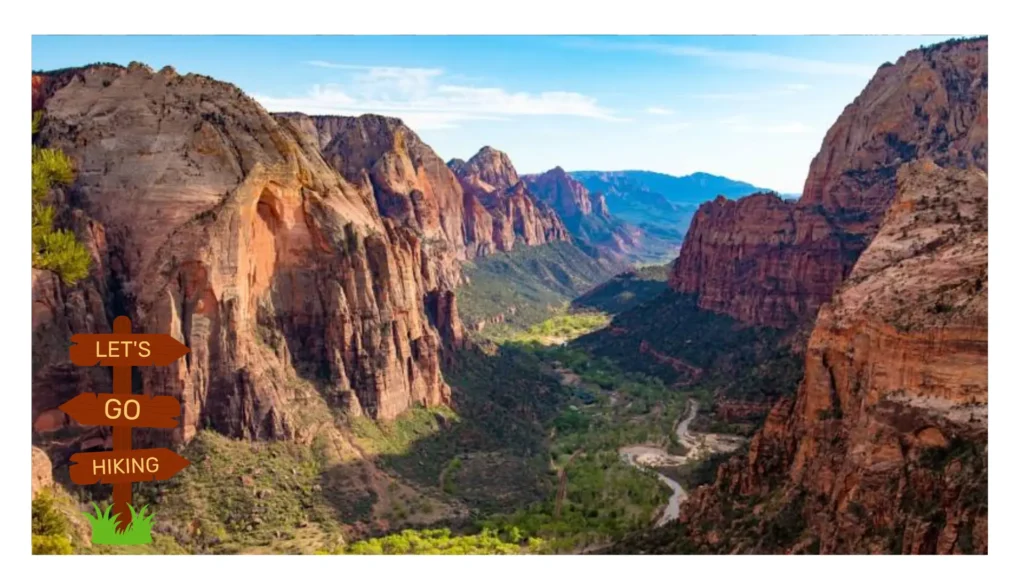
(653, 198)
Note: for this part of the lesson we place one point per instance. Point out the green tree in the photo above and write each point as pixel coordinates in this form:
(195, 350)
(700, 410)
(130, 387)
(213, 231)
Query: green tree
(56, 250)
(49, 527)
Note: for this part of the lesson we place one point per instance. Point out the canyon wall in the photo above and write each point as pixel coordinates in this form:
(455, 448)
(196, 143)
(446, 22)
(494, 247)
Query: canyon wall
(766, 261)
(885, 447)
(213, 221)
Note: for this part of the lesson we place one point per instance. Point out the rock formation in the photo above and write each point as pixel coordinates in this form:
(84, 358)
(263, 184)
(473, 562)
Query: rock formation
(42, 471)
(600, 206)
(410, 183)
(884, 449)
(487, 171)
(562, 192)
(587, 218)
(217, 223)
(766, 261)
(499, 208)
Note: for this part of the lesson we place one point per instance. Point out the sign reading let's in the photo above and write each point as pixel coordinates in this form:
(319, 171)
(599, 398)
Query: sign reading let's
(124, 411)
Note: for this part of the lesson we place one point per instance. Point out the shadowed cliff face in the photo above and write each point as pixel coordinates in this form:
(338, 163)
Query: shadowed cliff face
(884, 449)
(766, 261)
(223, 226)
(499, 208)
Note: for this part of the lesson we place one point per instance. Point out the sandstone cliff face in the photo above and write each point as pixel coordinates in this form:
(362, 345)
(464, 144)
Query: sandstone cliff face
(884, 449)
(765, 261)
(223, 226)
(562, 192)
(410, 183)
(488, 170)
(499, 208)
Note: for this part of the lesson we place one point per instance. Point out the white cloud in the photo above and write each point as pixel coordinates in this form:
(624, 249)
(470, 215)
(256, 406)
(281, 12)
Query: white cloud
(743, 60)
(415, 96)
(657, 110)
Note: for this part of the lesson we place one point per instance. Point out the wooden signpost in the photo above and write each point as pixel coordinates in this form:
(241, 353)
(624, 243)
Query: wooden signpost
(123, 411)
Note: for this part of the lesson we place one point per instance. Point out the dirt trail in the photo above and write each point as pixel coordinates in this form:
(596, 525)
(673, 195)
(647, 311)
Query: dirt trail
(698, 446)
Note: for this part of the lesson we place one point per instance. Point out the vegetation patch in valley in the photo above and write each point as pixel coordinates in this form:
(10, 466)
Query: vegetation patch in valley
(700, 349)
(560, 328)
(626, 290)
(510, 291)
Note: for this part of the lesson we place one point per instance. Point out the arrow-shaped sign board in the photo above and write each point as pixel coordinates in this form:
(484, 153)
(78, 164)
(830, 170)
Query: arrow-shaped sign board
(124, 466)
(125, 349)
(136, 410)
(123, 411)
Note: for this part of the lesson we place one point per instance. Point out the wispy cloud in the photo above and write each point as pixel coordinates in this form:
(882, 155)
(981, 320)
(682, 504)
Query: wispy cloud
(659, 111)
(739, 59)
(417, 97)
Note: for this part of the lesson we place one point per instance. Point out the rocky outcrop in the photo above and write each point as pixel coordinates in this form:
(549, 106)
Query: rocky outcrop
(766, 261)
(500, 210)
(587, 218)
(600, 206)
(487, 171)
(42, 471)
(223, 226)
(562, 192)
(410, 183)
(885, 447)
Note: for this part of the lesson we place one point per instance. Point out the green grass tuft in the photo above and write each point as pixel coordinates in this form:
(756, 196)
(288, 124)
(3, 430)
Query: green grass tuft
(104, 527)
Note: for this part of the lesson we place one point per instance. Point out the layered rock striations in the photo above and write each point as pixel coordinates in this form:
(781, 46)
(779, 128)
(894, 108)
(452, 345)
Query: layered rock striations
(562, 192)
(884, 449)
(766, 261)
(217, 223)
(410, 183)
(500, 209)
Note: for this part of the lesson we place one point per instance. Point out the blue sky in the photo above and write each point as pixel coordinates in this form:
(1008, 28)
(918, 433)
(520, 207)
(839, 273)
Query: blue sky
(753, 108)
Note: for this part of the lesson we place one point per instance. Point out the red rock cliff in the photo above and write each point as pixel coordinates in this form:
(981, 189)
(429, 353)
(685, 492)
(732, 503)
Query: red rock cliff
(499, 208)
(562, 192)
(766, 261)
(213, 221)
(885, 448)
(410, 183)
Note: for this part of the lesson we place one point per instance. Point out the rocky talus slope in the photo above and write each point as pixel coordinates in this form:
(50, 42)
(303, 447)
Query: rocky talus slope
(884, 449)
(766, 261)
(299, 283)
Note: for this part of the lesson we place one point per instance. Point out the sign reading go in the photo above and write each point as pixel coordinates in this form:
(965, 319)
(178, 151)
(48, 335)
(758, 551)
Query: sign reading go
(120, 409)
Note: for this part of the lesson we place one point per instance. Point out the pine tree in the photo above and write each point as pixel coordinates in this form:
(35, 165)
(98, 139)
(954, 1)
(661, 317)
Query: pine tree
(56, 250)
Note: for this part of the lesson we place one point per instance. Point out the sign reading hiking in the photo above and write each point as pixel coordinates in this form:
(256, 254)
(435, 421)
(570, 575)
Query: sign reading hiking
(123, 411)
(120, 466)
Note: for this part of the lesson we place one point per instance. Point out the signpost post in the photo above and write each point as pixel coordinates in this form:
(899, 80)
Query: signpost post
(123, 411)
